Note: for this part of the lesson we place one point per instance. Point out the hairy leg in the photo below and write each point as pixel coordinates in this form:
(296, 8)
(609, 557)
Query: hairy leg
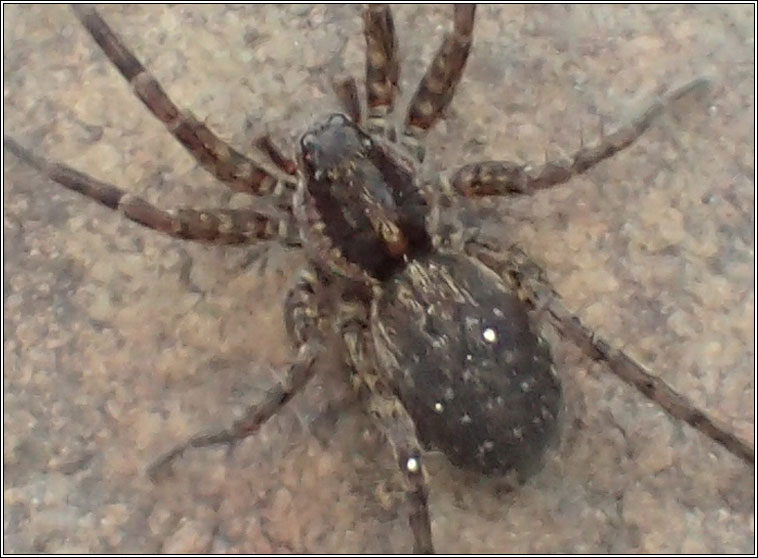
(225, 163)
(501, 178)
(302, 319)
(525, 276)
(382, 66)
(302, 315)
(301, 370)
(437, 87)
(397, 426)
(217, 226)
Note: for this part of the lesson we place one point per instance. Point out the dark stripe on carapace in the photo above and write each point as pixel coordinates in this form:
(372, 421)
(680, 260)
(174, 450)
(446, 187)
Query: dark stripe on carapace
(343, 197)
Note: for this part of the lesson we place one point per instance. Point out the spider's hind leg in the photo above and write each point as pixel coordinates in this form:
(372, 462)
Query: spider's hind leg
(303, 325)
(398, 428)
(295, 379)
(528, 279)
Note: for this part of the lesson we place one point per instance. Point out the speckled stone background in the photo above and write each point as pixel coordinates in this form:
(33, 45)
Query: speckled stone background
(118, 342)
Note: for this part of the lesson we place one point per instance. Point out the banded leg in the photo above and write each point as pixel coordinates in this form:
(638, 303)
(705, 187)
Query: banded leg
(397, 426)
(500, 178)
(218, 226)
(302, 317)
(225, 163)
(518, 270)
(436, 89)
(296, 378)
(382, 65)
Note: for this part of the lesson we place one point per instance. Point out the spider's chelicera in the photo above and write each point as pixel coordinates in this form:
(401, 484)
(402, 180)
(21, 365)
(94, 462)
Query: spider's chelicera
(439, 335)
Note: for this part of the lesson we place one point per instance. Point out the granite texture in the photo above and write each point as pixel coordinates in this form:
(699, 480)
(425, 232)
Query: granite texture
(119, 342)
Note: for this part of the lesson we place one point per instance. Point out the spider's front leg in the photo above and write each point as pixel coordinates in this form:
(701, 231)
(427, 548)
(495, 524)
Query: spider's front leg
(382, 74)
(214, 226)
(398, 427)
(382, 66)
(437, 87)
(234, 169)
(301, 317)
(521, 273)
(502, 178)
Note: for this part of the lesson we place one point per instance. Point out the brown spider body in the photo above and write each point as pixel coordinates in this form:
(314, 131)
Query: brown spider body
(445, 341)
(458, 346)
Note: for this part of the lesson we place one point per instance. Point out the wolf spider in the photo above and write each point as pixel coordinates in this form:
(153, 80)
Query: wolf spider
(437, 328)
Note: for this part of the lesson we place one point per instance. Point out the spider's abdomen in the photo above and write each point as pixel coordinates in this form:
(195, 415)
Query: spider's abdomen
(467, 363)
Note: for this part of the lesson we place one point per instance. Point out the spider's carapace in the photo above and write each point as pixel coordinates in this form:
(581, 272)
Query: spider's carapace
(362, 199)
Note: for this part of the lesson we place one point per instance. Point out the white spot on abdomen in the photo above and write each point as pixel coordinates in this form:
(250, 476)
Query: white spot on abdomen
(490, 335)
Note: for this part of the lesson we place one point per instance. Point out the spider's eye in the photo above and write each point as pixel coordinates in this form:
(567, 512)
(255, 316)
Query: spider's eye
(307, 143)
(337, 120)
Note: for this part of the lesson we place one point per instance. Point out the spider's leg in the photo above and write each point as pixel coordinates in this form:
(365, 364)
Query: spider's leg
(501, 178)
(436, 89)
(382, 66)
(265, 144)
(295, 379)
(302, 314)
(304, 318)
(397, 426)
(217, 226)
(400, 431)
(228, 165)
(347, 93)
(518, 270)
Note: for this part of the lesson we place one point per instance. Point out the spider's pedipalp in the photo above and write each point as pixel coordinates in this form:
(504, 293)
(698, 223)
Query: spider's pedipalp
(215, 225)
(266, 144)
(227, 164)
(347, 93)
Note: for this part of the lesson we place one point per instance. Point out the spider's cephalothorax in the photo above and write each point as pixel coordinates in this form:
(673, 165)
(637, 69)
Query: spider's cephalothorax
(358, 202)
(445, 343)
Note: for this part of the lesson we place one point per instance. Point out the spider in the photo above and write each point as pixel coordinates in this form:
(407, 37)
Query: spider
(380, 263)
